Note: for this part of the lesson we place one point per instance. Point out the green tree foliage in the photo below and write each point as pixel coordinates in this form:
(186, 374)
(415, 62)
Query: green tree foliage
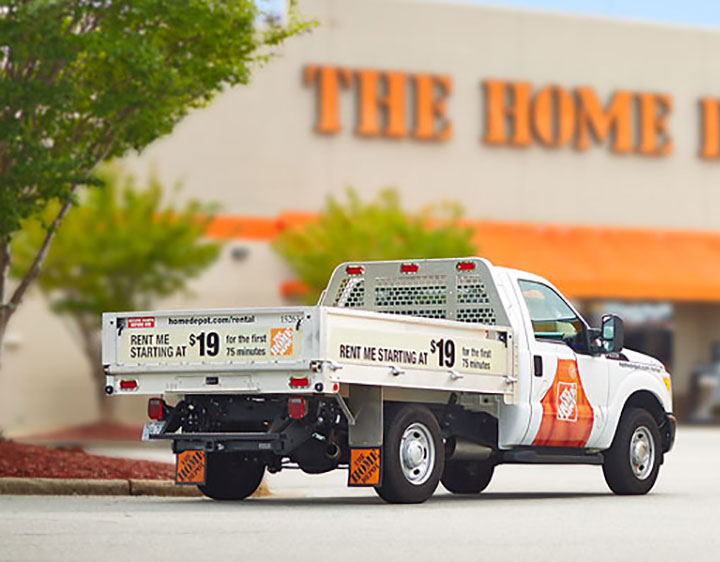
(377, 230)
(120, 248)
(82, 81)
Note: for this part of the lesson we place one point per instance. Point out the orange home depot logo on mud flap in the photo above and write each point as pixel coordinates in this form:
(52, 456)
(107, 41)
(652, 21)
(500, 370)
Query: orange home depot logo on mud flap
(190, 467)
(364, 467)
(567, 418)
(281, 341)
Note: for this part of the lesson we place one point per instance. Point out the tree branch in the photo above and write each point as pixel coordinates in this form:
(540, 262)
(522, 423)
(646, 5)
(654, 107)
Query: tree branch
(34, 270)
(9, 309)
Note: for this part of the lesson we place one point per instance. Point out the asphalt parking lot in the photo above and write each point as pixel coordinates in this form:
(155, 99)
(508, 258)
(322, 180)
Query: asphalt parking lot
(546, 513)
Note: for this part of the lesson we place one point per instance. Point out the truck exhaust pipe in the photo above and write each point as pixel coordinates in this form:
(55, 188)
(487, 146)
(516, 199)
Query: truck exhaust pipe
(332, 451)
(459, 449)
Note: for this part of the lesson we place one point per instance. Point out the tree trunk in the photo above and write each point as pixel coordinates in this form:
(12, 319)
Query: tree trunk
(106, 404)
(4, 271)
(9, 308)
(3, 327)
(92, 348)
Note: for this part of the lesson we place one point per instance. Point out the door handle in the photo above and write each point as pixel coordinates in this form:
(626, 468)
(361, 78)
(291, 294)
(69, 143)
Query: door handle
(538, 364)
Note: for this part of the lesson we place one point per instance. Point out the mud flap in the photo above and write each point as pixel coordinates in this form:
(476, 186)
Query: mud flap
(190, 468)
(366, 436)
(365, 467)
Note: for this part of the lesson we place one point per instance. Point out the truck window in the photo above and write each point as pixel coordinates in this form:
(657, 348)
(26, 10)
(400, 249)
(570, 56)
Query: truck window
(551, 317)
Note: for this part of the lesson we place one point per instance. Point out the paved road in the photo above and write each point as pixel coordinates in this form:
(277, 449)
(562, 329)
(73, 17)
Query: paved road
(533, 513)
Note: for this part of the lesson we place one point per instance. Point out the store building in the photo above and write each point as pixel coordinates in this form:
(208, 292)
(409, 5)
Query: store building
(584, 149)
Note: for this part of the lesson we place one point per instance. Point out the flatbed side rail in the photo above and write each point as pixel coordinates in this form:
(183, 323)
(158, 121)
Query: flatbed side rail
(378, 349)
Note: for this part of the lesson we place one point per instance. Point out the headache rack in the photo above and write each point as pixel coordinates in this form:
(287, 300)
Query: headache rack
(450, 289)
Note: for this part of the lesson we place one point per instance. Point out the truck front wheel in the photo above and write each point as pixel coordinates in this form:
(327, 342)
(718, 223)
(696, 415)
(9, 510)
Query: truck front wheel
(632, 463)
(467, 477)
(412, 459)
(229, 476)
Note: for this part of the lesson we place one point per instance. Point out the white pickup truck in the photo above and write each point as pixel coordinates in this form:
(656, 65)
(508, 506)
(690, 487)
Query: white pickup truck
(407, 374)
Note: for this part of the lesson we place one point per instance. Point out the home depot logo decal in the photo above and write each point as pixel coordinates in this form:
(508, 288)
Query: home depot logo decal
(190, 467)
(567, 418)
(281, 341)
(518, 114)
(567, 401)
(365, 467)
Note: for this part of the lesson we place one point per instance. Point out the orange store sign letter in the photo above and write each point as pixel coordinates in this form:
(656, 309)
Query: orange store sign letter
(328, 81)
(387, 103)
(710, 122)
(554, 117)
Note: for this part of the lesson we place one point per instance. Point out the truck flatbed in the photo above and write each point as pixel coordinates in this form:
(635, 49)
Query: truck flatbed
(265, 350)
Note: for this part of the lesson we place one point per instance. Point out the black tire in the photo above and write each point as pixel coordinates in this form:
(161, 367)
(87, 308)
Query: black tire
(625, 473)
(422, 444)
(467, 477)
(231, 477)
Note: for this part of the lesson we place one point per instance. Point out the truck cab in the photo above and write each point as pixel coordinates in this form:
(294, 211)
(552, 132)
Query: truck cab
(576, 373)
(406, 374)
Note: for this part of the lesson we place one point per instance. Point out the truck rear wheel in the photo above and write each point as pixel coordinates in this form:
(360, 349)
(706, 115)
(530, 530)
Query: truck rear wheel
(231, 477)
(467, 477)
(633, 461)
(412, 459)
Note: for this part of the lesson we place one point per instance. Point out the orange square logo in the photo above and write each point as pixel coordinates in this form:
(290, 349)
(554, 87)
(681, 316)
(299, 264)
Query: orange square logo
(281, 341)
(190, 467)
(364, 467)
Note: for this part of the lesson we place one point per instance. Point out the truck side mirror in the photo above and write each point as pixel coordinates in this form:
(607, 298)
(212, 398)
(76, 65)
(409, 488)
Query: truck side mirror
(613, 333)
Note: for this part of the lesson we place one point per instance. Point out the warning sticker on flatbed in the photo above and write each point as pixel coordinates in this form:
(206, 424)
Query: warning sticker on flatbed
(364, 467)
(190, 467)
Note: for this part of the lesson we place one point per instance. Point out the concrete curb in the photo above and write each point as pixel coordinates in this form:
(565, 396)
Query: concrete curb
(80, 487)
(166, 488)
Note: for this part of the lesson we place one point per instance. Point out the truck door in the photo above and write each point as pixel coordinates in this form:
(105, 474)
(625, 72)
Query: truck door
(569, 390)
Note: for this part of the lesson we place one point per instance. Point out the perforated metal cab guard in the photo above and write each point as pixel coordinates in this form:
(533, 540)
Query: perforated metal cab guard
(436, 290)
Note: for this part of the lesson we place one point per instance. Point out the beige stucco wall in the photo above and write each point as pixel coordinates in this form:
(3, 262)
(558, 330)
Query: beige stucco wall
(254, 148)
(254, 151)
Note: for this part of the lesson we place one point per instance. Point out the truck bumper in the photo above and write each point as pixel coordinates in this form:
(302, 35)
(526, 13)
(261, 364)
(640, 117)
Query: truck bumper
(250, 442)
(667, 432)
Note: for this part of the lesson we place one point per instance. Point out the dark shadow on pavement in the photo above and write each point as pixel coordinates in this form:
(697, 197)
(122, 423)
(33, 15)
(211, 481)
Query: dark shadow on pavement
(285, 501)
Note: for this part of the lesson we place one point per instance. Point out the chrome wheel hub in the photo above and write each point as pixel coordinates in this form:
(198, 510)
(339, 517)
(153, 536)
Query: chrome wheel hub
(417, 453)
(642, 453)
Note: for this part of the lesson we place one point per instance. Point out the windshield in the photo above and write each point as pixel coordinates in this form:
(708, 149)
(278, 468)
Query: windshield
(551, 317)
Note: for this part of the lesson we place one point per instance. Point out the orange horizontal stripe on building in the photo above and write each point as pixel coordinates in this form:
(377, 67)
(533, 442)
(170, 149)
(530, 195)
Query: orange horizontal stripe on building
(583, 261)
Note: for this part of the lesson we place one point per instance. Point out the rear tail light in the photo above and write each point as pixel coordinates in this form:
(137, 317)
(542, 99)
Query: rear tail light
(465, 266)
(156, 409)
(409, 268)
(299, 382)
(297, 408)
(130, 384)
(354, 269)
